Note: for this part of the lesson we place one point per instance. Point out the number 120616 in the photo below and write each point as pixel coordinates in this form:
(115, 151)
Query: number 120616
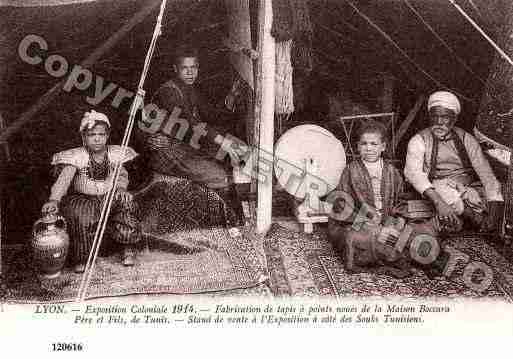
(67, 347)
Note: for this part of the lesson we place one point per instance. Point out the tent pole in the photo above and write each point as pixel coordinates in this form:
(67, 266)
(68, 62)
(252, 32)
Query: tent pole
(48, 97)
(265, 112)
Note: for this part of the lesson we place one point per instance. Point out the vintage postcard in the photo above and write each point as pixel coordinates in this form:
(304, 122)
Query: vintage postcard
(258, 164)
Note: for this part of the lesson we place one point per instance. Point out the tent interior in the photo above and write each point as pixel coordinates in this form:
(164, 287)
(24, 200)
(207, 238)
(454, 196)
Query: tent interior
(353, 66)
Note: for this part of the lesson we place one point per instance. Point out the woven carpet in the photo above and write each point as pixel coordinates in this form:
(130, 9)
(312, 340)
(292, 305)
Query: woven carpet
(212, 261)
(171, 204)
(306, 265)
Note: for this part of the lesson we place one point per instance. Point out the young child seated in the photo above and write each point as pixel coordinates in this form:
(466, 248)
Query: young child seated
(374, 186)
(89, 170)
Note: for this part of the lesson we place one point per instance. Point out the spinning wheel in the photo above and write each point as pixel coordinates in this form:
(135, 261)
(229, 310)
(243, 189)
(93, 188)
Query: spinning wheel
(308, 164)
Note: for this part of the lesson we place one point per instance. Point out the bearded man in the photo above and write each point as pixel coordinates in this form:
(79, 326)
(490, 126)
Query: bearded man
(446, 165)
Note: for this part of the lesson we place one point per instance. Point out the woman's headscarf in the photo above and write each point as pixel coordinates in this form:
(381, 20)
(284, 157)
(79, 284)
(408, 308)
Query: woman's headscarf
(91, 119)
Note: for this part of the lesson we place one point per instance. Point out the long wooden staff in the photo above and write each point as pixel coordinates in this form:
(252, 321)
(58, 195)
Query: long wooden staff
(107, 202)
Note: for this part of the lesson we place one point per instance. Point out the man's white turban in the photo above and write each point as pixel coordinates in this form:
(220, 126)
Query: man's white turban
(445, 99)
(91, 118)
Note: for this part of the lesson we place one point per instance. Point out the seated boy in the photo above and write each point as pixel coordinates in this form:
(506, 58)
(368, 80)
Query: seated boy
(366, 230)
(90, 170)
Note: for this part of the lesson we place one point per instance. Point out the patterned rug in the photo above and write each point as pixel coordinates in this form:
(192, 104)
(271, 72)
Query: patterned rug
(306, 265)
(170, 204)
(189, 262)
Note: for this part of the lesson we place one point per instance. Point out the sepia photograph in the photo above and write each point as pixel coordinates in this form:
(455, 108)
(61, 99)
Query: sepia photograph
(293, 163)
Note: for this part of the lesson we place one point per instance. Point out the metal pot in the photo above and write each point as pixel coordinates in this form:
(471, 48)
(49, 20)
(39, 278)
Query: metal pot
(50, 243)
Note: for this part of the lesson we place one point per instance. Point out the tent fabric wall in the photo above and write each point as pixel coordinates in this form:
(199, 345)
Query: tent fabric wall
(74, 31)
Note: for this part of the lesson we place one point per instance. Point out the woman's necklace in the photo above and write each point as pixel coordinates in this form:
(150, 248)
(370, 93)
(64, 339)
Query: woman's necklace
(98, 169)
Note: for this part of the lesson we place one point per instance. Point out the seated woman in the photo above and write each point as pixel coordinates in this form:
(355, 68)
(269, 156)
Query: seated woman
(91, 170)
(374, 186)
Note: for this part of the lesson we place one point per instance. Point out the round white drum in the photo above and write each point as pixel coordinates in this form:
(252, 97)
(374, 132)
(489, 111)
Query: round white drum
(310, 143)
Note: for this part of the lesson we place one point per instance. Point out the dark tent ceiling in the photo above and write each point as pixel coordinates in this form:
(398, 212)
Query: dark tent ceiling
(425, 45)
(434, 45)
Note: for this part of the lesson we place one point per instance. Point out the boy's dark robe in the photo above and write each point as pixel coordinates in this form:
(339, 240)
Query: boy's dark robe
(356, 182)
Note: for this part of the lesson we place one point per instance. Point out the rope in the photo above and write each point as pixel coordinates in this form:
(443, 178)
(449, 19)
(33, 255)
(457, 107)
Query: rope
(284, 93)
(402, 52)
(476, 9)
(476, 26)
(107, 202)
(443, 42)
